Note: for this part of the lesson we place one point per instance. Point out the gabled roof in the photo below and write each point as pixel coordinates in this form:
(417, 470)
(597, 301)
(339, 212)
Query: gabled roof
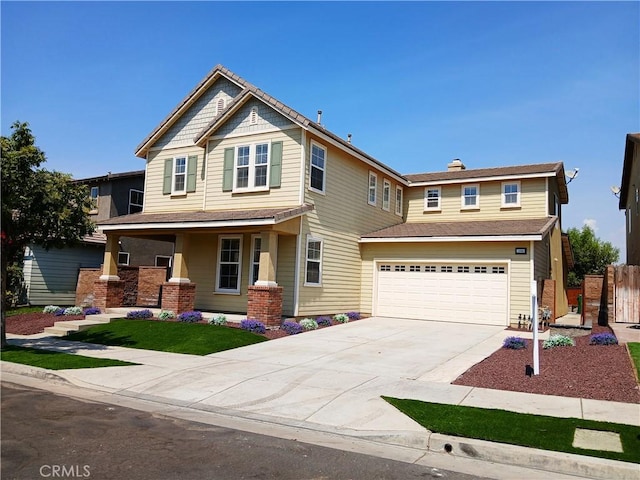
(633, 139)
(512, 172)
(495, 229)
(250, 91)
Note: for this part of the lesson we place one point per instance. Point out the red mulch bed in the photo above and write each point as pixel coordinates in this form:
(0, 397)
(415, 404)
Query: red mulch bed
(599, 372)
(32, 323)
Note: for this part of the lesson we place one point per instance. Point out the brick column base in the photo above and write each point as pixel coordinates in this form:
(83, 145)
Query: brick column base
(265, 304)
(108, 294)
(178, 297)
(548, 298)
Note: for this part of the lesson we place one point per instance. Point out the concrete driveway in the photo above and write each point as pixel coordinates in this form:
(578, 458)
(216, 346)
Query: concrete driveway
(329, 379)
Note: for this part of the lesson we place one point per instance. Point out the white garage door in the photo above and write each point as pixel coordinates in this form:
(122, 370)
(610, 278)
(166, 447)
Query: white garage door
(451, 292)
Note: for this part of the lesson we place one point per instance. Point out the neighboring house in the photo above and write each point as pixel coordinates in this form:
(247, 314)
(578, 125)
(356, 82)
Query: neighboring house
(630, 197)
(51, 277)
(272, 214)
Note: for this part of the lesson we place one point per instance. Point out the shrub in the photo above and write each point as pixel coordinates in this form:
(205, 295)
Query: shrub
(253, 326)
(190, 317)
(514, 343)
(308, 324)
(353, 315)
(292, 328)
(558, 341)
(146, 313)
(165, 315)
(603, 339)
(73, 311)
(59, 312)
(92, 311)
(323, 321)
(341, 318)
(218, 320)
(50, 309)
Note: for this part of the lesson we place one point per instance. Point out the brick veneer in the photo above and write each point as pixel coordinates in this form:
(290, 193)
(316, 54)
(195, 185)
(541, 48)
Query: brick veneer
(85, 290)
(178, 297)
(108, 293)
(150, 280)
(548, 298)
(265, 304)
(593, 288)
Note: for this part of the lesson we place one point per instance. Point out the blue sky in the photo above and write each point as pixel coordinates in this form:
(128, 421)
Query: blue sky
(416, 83)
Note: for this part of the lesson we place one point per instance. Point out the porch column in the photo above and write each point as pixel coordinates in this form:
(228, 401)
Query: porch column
(179, 294)
(109, 289)
(265, 297)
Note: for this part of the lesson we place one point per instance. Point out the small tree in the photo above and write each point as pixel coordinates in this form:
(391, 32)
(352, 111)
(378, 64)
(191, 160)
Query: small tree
(38, 206)
(591, 255)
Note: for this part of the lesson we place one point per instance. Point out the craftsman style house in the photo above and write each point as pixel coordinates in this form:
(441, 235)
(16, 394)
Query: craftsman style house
(273, 215)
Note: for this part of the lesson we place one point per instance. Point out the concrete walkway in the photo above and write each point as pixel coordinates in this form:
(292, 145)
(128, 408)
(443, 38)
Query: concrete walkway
(331, 380)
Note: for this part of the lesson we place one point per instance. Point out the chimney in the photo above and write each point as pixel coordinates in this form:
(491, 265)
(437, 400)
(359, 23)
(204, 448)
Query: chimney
(456, 165)
(349, 139)
(319, 117)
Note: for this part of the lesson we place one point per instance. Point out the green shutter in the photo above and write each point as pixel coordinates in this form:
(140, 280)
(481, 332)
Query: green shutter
(168, 170)
(276, 164)
(192, 169)
(227, 174)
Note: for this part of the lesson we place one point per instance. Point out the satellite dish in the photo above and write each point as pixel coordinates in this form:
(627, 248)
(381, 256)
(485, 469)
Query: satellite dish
(615, 190)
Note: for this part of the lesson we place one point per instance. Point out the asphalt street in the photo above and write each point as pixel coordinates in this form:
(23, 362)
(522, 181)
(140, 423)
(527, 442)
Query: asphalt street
(46, 435)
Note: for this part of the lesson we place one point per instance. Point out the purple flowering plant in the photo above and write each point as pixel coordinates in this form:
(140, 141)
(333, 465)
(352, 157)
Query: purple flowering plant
(92, 311)
(190, 317)
(292, 328)
(324, 321)
(138, 314)
(514, 343)
(253, 326)
(353, 315)
(603, 339)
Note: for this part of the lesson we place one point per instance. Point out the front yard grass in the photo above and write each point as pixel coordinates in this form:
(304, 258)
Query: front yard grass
(634, 350)
(55, 360)
(536, 431)
(174, 337)
(21, 310)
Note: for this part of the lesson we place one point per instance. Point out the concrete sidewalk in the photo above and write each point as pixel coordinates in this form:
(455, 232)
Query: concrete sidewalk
(331, 380)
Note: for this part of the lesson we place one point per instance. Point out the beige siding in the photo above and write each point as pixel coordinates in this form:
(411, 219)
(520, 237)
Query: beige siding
(286, 271)
(541, 259)
(154, 200)
(557, 271)
(532, 203)
(288, 194)
(340, 217)
(519, 265)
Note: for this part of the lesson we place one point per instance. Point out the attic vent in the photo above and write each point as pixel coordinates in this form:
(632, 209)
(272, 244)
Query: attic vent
(253, 117)
(220, 106)
(456, 165)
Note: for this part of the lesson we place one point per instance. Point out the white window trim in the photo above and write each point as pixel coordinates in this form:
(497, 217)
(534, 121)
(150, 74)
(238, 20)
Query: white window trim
(252, 168)
(137, 205)
(438, 207)
(374, 176)
(229, 291)
(306, 261)
(400, 204)
(174, 175)
(324, 170)
(503, 195)
(128, 258)
(253, 263)
(462, 197)
(386, 192)
(163, 256)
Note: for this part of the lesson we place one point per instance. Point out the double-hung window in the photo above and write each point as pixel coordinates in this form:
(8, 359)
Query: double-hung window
(94, 198)
(179, 184)
(511, 194)
(317, 168)
(432, 197)
(251, 170)
(229, 264)
(373, 188)
(399, 205)
(470, 196)
(386, 195)
(136, 198)
(313, 270)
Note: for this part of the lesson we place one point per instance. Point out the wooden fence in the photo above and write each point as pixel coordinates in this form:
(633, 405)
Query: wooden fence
(626, 281)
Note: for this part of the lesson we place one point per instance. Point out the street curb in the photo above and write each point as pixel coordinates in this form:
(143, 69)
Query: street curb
(35, 372)
(546, 460)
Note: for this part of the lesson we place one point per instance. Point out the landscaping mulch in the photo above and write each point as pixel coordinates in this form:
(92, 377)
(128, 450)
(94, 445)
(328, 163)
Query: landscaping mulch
(599, 372)
(35, 322)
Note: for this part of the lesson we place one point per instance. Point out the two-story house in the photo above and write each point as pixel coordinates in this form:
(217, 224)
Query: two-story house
(271, 214)
(630, 197)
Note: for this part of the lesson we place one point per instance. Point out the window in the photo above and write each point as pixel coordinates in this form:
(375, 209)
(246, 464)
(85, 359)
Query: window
(94, 197)
(179, 184)
(373, 187)
(479, 269)
(255, 258)
(123, 258)
(414, 268)
(251, 167)
(497, 270)
(163, 261)
(554, 206)
(229, 258)
(430, 268)
(446, 269)
(313, 275)
(385, 268)
(463, 269)
(136, 197)
(470, 196)
(399, 206)
(386, 195)
(629, 220)
(432, 198)
(511, 194)
(317, 169)
(399, 268)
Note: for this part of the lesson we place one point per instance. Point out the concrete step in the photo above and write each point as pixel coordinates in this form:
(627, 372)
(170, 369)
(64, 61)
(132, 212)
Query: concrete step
(56, 331)
(64, 327)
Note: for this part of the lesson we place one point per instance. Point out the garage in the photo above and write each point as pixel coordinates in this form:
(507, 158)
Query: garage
(450, 292)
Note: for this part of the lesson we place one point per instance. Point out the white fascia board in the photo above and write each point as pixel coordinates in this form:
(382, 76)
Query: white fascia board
(502, 238)
(482, 179)
(188, 225)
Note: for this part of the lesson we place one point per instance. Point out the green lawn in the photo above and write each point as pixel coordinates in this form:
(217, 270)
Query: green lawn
(634, 350)
(21, 310)
(175, 337)
(55, 360)
(537, 431)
